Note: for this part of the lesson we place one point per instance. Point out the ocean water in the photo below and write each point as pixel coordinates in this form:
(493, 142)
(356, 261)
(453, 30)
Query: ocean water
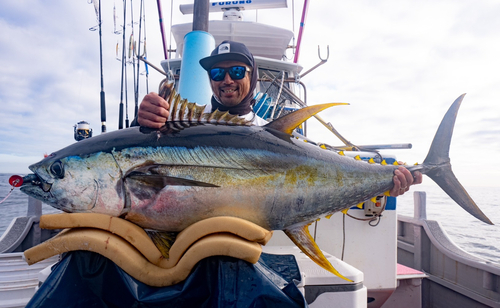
(467, 232)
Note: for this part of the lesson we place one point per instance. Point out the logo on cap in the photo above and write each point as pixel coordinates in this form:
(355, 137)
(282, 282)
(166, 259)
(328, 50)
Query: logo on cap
(224, 48)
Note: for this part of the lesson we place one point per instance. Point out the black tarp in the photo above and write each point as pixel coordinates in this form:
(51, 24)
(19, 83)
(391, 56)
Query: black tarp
(87, 279)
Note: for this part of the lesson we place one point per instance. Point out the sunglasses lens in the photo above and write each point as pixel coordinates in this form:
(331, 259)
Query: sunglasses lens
(237, 72)
(217, 74)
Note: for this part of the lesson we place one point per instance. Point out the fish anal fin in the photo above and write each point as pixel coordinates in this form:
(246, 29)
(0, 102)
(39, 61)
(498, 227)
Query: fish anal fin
(303, 239)
(289, 122)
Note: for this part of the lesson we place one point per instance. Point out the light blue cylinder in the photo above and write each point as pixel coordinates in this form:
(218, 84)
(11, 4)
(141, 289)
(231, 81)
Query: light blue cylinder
(194, 84)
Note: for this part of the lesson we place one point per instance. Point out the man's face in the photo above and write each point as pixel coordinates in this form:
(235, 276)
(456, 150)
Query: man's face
(231, 92)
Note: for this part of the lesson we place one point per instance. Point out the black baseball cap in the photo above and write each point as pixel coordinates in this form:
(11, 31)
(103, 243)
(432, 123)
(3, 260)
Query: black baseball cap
(228, 51)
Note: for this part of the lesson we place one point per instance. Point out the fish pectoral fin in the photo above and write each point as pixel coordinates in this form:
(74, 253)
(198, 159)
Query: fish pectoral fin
(303, 239)
(163, 240)
(160, 181)
(291, 121)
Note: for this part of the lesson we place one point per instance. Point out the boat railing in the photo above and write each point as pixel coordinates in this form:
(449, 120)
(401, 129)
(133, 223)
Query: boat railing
(24, 232)
(455, 277)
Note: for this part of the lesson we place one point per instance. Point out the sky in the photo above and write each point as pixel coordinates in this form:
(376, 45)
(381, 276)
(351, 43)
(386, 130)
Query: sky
(398, 63)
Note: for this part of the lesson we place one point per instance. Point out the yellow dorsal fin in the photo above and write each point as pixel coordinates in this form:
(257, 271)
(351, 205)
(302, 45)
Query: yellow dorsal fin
(289, 122)
(303, 239)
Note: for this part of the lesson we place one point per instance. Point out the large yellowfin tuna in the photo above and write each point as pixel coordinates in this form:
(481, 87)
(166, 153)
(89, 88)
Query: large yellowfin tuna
(195, 168)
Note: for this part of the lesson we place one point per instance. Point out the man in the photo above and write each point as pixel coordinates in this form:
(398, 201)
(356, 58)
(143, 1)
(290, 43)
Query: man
(233, 78)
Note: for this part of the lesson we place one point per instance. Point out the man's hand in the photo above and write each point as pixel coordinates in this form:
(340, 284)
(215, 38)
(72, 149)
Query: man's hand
(153, 111)
(402, 181)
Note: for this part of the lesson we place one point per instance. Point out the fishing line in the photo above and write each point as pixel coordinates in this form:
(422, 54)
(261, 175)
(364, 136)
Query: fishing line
(7, 195)
(14, 181)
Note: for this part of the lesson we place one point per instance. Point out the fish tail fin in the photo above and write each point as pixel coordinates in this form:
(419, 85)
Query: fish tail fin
(437, 164)
(303, 239)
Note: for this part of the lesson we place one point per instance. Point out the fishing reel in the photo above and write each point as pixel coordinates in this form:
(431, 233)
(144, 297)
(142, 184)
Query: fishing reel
(82, 131)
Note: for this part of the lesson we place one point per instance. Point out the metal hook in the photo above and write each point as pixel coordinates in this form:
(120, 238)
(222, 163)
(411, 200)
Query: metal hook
(327, 53)
(323, 61)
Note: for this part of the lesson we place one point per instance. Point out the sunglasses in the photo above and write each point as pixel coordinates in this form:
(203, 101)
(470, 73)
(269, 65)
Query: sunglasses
(235, 72)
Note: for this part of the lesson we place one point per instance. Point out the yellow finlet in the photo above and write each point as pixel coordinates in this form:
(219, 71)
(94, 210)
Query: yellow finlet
(360, 206)
(396, 163)
(387, 193)
(374, 199)
(384, 163)
(371, 161)
(289, 122)
(322, 146)
(341, 153)
(328, 216)
(344, 211)
(357, 157)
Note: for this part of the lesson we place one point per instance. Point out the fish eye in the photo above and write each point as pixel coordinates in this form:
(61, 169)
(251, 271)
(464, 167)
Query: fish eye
(57, 169)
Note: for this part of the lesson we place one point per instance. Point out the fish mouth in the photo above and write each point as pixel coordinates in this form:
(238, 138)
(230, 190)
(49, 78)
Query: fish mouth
(34, 180)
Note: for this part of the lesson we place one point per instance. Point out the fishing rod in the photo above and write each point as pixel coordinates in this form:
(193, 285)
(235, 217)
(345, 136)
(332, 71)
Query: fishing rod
(130, 46)
(146, 53)
(131, 53)
(103, 98)
(136, 82)
(120, 115)
(158, 3)
(301, 30)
